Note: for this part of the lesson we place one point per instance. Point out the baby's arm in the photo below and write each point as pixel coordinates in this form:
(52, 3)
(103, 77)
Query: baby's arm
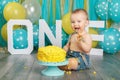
(66, 47)
(85, 42)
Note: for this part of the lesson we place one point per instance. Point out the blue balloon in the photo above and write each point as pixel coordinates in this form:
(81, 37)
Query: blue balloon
(4, 2)
(114, 10)
(101, 9)
(111, 43)
(20, 40)
(36, 35)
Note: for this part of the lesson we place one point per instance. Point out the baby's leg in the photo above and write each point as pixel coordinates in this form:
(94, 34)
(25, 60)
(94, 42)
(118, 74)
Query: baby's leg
(72, 64)
(64, 68)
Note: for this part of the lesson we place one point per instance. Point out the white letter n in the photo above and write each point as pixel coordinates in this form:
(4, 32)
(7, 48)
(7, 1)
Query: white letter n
(44, 29)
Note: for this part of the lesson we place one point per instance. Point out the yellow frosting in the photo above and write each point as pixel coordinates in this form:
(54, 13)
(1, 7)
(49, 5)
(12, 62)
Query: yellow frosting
(51, 54)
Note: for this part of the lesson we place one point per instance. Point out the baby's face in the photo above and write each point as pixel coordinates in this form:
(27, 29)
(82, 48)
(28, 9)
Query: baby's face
(79, 21)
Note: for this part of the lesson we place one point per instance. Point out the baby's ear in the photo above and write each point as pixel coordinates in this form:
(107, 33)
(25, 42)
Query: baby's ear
(87, 22)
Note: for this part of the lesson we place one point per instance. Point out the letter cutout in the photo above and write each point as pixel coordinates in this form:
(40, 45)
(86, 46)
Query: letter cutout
(44, 29)
(96, 24)
(29, 27)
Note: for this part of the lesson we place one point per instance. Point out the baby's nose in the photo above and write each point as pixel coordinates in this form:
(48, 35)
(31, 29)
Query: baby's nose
(76, 23)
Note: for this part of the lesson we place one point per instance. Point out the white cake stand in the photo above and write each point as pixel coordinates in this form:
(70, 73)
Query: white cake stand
(52, 69)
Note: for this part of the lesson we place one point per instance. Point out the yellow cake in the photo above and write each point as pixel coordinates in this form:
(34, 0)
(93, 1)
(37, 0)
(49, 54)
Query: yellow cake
(51, 54)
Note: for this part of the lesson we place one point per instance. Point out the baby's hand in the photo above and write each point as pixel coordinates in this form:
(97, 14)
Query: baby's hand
(79, 37)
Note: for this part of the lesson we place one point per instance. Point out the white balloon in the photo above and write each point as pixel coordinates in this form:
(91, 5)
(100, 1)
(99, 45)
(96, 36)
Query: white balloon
(33, 10)
(116, 25)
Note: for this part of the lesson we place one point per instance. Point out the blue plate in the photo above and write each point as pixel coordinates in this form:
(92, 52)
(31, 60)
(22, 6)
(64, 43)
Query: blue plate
(53, 63)
(52, 69)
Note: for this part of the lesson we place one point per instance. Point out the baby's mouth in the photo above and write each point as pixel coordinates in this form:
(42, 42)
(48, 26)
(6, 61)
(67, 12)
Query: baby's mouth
(77, 29)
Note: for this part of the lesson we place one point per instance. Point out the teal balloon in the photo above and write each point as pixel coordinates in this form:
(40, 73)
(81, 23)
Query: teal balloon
(3, 43)
(4, 2)
(36, 35)
(101, 9)
(114, 10)
(111, 43)
(20, 39)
